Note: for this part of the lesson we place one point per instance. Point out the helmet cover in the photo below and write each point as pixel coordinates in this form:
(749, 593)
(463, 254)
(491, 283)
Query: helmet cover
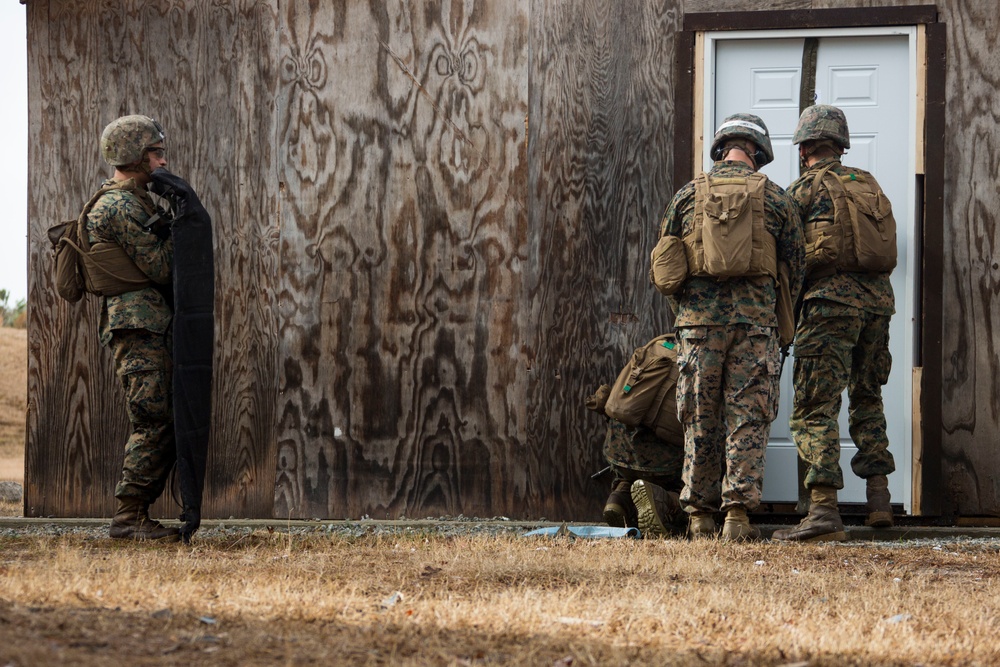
(745, 126)
(822, 121)
(125, 140)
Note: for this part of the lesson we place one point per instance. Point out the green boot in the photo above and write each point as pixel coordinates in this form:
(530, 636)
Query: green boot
(822, 524)
(737, 527)
(701, 526)
(619, 510)
(657, 509)
(132, 522)
(879, 509)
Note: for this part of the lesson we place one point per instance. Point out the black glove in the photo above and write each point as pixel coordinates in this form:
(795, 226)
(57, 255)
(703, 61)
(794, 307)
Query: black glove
(178, 192)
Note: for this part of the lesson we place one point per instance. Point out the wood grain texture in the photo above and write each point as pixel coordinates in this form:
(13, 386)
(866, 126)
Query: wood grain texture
(432, 227)
(600, 166)
(204, 71)
(229, 130)
(971, 347)
(76, 426)
(403, 221)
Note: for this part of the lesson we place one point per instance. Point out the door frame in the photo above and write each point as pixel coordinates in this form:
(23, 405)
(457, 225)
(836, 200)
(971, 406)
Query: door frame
(926, 483)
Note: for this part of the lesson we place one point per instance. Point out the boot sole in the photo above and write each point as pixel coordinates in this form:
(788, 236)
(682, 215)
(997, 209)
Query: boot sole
(650, 523)
(125, 533)
(879, 520)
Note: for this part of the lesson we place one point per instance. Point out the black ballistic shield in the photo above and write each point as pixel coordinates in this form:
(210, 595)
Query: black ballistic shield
(193, 333)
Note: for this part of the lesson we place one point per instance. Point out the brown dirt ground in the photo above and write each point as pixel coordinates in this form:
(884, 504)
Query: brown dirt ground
(269, 598)
(13, 401)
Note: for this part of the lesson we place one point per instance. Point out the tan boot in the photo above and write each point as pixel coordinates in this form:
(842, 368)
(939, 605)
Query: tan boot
(822, 524)
(131, 522)
(657, 509)
(879, 509)
(701, 526)
(737, 527)
(619, 510)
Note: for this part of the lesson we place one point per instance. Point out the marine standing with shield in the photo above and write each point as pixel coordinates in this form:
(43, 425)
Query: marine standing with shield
(136, 316)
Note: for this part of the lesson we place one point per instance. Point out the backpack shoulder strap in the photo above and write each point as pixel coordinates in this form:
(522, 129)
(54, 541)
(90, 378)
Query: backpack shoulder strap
(757, 181)
(81, 221)
(701, 185)
(815, 184)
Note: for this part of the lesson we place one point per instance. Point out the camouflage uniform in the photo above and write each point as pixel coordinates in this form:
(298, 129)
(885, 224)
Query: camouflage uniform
(135, 326)
(841, 341)
(637, 453)
(729, 359)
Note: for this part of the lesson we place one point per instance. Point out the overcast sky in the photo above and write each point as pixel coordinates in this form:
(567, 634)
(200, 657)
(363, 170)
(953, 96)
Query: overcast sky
(13, 151)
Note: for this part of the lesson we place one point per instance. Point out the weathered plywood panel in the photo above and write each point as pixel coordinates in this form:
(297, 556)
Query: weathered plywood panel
(403, 222)
(600, 136)
(971, 348)
(75, 423)
(229, 119)
(206, 72)
(432, 231)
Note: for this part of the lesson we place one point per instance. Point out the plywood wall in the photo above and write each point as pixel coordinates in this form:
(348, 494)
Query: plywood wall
(432, 222)
(971, 340)
(432, 226)
(208, 72)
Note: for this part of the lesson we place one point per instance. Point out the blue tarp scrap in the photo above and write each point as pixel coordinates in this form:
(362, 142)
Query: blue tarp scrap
(588, 532)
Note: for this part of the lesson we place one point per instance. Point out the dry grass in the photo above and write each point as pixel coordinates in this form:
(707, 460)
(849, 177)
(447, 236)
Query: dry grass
(269, 598)
(13, 400)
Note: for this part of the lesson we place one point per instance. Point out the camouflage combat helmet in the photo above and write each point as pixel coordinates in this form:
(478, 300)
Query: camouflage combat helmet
(744, 126)
(125, 140)
(822, 121)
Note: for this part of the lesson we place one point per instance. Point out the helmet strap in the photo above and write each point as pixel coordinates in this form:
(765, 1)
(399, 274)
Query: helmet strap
(748, 147)
(807, 150)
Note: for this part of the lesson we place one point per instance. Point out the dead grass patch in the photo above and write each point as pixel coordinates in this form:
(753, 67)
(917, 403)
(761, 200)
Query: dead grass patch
(266, 598)
(13, 393)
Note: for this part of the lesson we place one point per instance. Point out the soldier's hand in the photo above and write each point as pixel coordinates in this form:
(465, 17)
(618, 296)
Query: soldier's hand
(178, 191)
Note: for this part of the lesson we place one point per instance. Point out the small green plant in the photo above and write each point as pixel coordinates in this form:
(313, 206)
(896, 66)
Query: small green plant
(11, 316)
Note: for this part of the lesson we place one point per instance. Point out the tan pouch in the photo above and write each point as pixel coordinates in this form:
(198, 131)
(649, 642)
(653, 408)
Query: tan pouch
(110, 271)
(873, 224)
(642, 387)
(668, 267)
(823, 243)
(65, 263)
(727, 233)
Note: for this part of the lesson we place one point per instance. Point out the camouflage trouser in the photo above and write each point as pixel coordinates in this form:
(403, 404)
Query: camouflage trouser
(727, 397)
(838, 347)
(635, 452)
(142, 364)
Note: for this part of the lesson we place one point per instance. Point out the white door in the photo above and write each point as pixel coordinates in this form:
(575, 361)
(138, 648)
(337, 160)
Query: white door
(871, 78)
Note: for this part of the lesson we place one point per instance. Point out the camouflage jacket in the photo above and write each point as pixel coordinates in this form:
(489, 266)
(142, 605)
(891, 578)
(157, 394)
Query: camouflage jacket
(118, 217)
(871, 292)
(709, 301)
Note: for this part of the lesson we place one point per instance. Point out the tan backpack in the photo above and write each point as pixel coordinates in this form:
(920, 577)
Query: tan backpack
(645, 391)
(78, 266)
(862, 237)
(730, 238)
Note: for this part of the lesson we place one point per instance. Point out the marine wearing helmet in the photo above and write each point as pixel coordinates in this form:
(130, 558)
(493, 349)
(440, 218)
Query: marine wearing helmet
(822, 126)
(125, 140)
(735, 131)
